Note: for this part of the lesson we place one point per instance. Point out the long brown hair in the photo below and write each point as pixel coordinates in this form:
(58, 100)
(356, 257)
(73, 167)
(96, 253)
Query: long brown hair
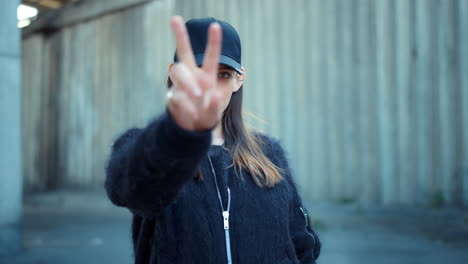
(245, 146)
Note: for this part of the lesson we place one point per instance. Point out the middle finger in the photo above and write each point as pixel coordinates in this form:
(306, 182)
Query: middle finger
(183, 48)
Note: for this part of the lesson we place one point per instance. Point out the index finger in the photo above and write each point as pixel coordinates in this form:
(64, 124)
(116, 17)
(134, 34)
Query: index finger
(183, 48)
(213, 49)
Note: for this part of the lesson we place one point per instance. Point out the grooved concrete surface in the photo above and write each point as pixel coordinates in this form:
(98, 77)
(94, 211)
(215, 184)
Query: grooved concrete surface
(70, 227)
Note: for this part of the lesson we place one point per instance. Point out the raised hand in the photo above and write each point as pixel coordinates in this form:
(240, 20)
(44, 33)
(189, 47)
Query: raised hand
(193, 100)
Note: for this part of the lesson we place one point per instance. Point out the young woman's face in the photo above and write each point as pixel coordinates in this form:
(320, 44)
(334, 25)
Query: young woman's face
(229, 81)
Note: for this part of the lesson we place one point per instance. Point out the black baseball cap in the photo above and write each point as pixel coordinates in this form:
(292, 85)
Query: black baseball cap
(197, 29)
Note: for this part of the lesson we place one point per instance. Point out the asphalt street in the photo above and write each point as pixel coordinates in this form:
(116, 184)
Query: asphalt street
(74, 227)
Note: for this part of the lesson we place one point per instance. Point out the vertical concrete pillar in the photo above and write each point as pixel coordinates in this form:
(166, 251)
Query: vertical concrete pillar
(10, 129)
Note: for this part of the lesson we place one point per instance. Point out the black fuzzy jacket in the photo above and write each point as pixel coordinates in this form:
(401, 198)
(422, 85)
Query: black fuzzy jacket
(178, 219)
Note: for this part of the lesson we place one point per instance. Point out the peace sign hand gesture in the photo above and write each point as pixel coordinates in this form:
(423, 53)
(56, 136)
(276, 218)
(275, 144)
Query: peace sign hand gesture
(193, 100)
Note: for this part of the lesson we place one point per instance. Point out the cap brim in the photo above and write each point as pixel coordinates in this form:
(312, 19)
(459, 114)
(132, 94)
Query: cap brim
(228, 61)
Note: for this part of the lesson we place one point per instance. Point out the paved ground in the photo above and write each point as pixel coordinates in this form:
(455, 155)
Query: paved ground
(73, 228)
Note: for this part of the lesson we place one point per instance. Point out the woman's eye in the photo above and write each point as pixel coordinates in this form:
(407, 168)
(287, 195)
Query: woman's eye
(224, 75)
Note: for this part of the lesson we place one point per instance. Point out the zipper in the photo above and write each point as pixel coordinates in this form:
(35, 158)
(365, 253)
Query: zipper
(225, 214)
(306, 217)
(226, 220)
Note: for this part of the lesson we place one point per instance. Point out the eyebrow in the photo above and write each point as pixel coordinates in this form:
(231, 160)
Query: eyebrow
(224, 67)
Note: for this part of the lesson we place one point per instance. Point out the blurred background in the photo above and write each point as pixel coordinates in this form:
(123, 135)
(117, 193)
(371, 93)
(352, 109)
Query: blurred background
(368, 97)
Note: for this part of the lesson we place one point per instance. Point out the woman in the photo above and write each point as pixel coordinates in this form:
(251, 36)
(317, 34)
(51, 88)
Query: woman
(203, 188)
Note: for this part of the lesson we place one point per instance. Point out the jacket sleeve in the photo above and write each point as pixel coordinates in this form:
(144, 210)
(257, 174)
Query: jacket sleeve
(304, 237)
(148, 166)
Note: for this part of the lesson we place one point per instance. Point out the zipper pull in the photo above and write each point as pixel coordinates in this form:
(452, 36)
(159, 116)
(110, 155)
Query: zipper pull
(226, 219)
(304, 212)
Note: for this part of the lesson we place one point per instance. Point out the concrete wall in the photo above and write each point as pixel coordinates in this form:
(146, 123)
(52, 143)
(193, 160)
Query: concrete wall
(368, 97)
(10, 130)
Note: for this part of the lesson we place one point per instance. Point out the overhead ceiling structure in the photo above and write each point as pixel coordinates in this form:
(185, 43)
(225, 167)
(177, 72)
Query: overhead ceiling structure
(46, 5)
(53, 15)
(30, 11)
